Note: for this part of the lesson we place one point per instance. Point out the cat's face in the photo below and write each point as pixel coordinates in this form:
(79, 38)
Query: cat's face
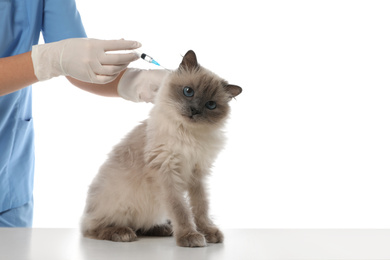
(198, 95)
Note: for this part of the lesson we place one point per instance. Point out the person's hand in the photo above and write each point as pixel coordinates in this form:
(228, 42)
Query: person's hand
(141, 85)
(83, 59)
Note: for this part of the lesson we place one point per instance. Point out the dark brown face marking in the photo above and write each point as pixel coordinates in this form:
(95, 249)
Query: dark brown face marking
(208, 102)
(199, 95)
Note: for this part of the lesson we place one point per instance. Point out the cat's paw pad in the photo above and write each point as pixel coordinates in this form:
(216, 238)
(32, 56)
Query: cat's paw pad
(117, 234)
(213, 235)
(193, 239)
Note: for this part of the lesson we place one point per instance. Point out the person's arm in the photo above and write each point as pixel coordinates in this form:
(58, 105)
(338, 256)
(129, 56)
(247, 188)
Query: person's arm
(132, 84)
(81, 58)
(107, 90)
(16, 72)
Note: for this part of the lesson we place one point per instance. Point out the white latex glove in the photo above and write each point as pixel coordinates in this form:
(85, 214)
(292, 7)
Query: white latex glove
(140, 85)
(83, 59)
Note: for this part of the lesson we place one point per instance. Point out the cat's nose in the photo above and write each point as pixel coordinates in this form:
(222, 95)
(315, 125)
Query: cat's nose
(194, 111)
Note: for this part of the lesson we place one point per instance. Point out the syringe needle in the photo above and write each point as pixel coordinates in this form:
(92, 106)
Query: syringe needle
(149, 59)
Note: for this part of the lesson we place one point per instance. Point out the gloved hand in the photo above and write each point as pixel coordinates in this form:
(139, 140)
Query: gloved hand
(140, 85)
(83, 59)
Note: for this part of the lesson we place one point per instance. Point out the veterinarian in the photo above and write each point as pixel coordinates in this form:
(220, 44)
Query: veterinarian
(66, 52)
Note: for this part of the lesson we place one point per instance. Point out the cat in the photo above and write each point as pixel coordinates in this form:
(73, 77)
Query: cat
(157, 172)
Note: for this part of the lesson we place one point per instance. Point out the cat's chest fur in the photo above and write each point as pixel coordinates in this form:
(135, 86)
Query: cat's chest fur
(193, 147)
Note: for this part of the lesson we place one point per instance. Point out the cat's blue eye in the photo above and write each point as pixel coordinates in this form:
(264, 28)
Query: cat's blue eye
(211, 105)
(188, 92)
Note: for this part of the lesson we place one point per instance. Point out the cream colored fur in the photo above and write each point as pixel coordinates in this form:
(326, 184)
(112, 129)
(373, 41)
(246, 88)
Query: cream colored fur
(157, 172)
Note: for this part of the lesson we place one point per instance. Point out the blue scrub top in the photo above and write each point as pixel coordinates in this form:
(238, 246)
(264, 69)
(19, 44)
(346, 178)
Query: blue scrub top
(21, 22)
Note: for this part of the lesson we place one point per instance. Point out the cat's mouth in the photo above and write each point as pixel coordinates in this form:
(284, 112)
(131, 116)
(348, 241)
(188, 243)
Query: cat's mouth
(191, 118)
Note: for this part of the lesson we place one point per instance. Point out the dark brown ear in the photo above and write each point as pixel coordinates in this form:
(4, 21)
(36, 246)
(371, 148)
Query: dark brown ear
(233, 90)
(189, 61)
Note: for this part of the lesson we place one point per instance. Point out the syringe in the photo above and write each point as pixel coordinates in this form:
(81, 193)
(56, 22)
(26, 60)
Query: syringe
(149, 59)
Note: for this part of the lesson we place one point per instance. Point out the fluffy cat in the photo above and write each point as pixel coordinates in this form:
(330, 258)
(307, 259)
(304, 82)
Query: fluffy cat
(157, 172)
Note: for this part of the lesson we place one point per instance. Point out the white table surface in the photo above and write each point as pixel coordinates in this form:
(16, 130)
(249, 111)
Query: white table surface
(55, 244)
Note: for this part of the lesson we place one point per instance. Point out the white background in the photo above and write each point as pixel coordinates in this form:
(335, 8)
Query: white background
(309, 137)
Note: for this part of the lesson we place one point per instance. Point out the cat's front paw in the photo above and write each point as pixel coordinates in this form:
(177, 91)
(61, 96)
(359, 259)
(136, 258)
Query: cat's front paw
(116, 234)
(192, 239)
(213, 235)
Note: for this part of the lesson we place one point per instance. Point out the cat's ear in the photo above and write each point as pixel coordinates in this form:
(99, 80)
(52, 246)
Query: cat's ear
(233, 90)
(189, 61)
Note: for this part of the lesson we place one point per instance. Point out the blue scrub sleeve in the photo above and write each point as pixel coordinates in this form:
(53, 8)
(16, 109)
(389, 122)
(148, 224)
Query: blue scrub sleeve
(61, 21)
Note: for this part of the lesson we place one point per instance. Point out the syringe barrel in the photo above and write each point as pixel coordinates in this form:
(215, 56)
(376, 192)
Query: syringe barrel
(146, 57)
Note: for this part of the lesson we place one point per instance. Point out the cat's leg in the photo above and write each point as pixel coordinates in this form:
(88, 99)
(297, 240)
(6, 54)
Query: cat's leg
(98, 221)
(115, 233)
(200, 207)
(163, 230)
(184, 229)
